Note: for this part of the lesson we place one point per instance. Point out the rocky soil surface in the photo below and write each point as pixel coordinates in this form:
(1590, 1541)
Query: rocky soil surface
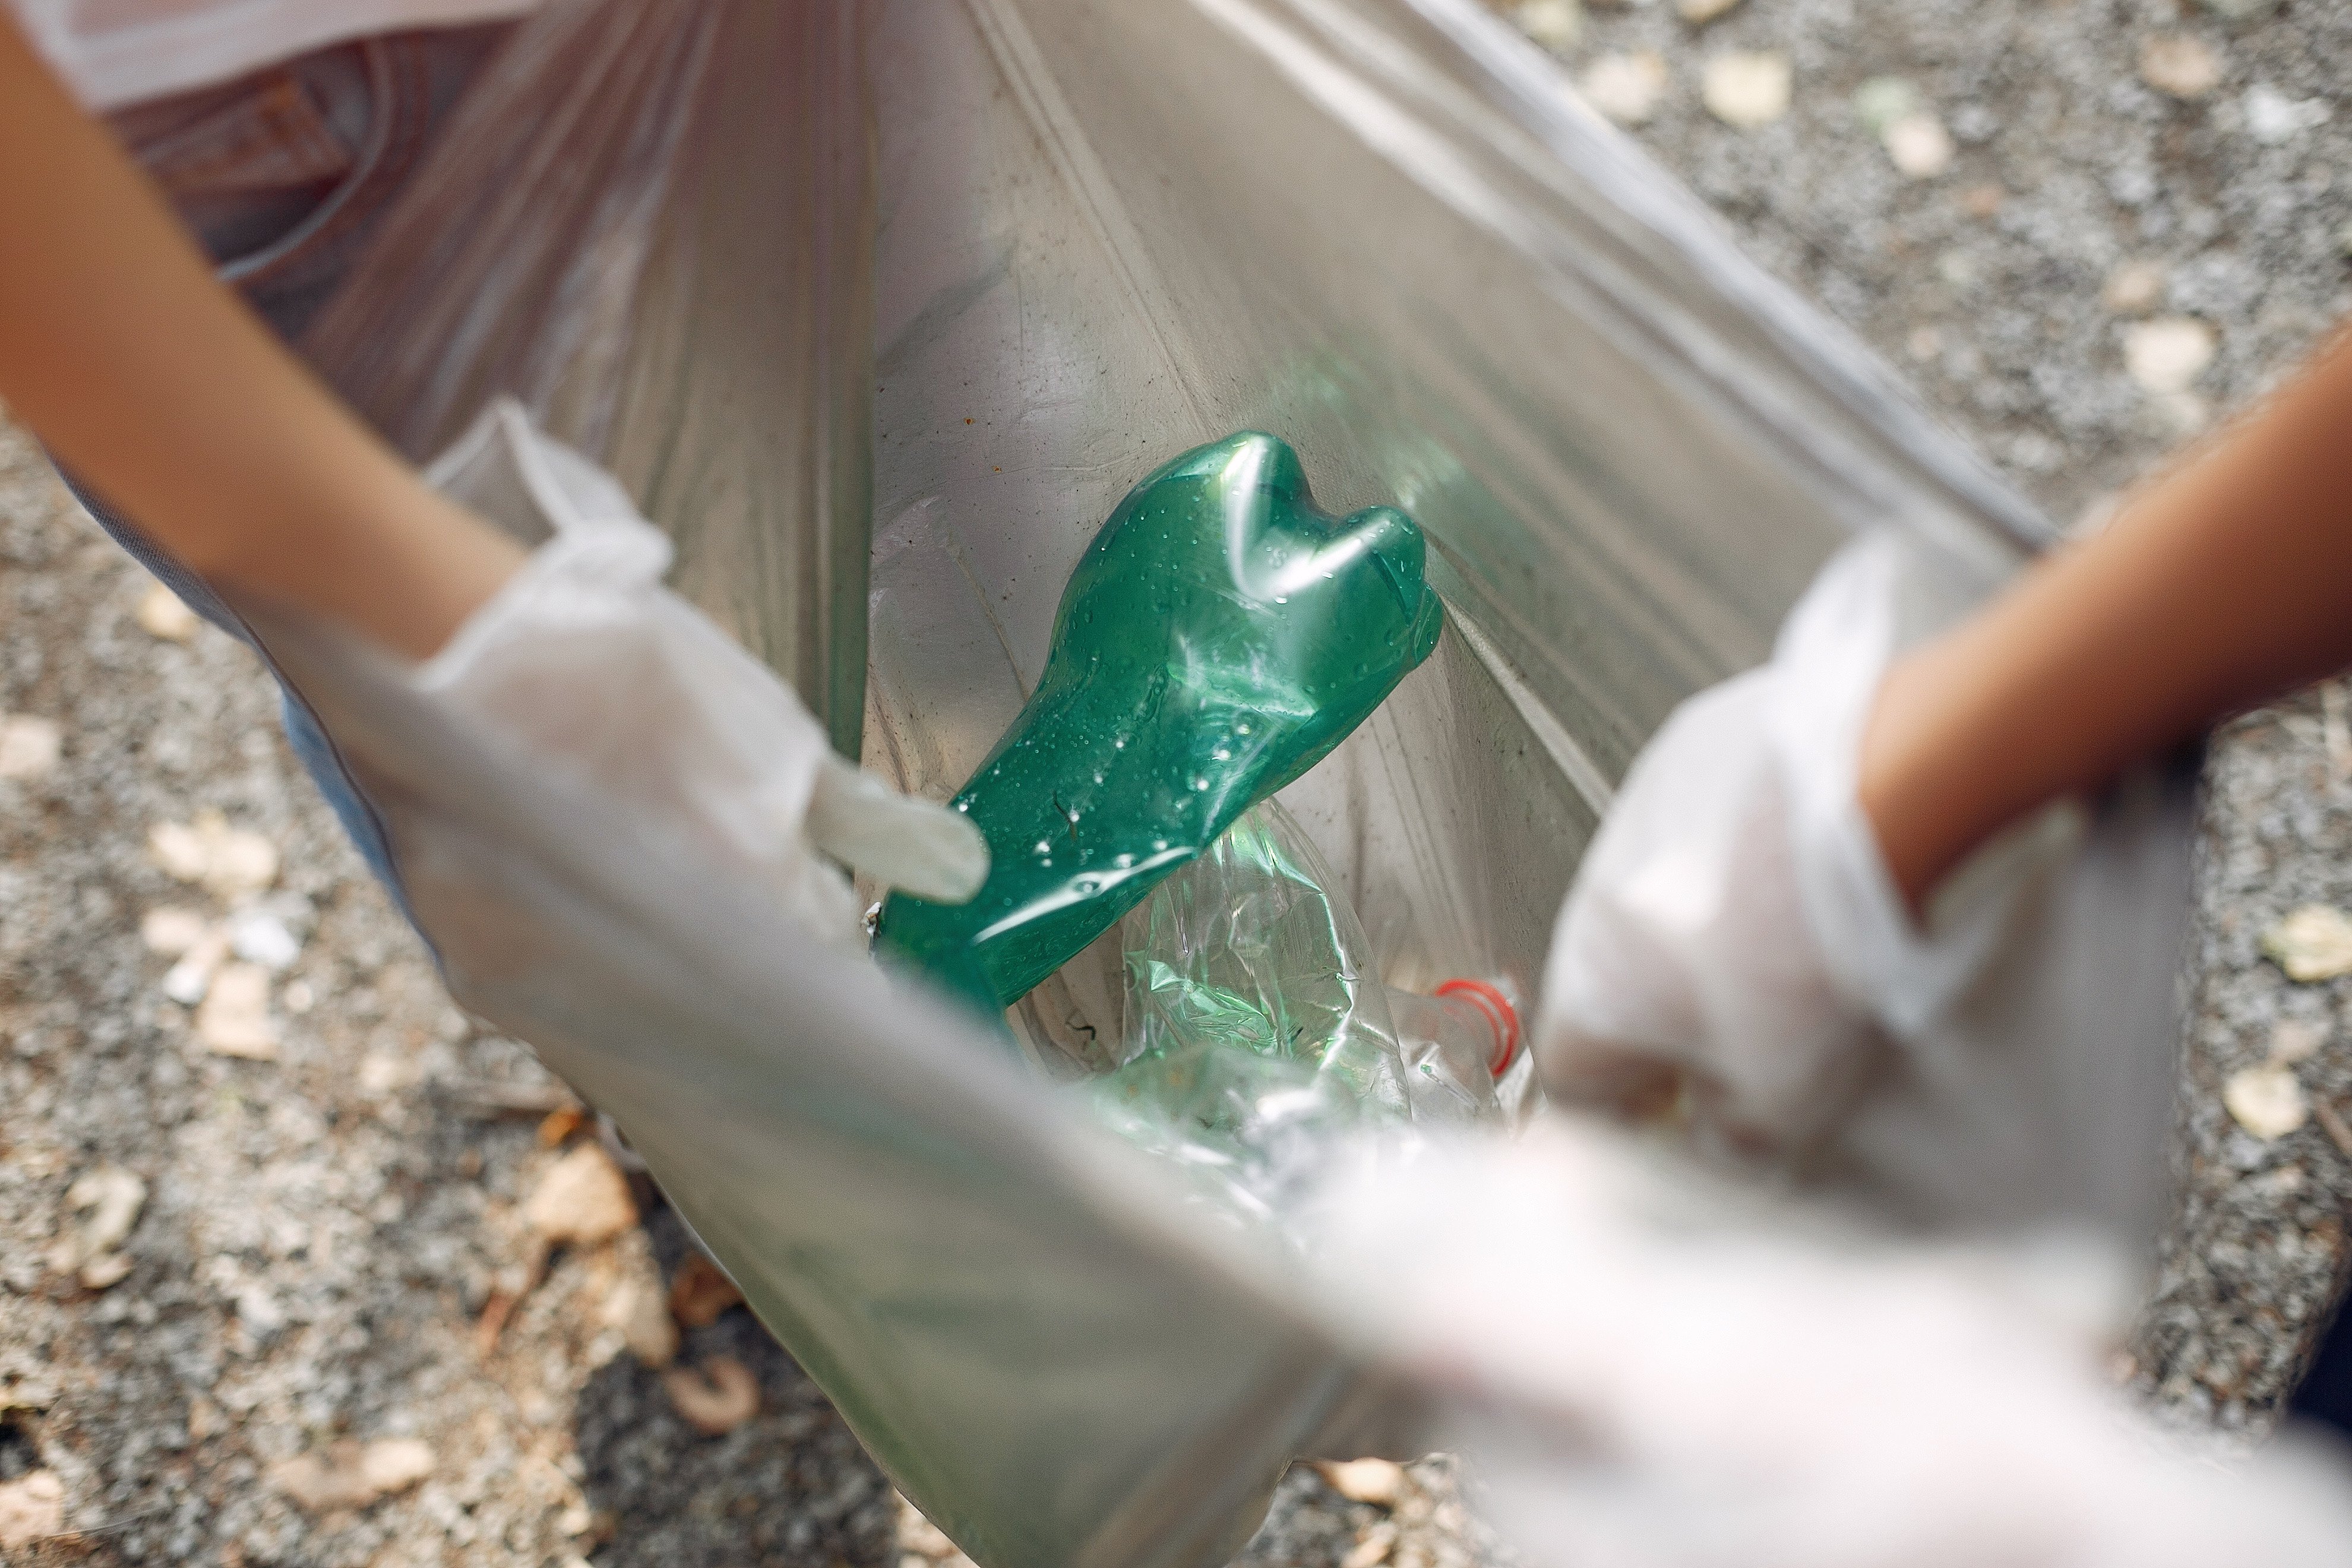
(298, 1267)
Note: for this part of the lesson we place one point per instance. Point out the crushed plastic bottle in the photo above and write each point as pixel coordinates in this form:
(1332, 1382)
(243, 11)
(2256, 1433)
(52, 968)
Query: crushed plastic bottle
(1254, 1031)
(1219, 638)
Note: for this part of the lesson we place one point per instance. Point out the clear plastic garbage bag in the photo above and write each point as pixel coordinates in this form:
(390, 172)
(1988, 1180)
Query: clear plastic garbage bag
(878, 307)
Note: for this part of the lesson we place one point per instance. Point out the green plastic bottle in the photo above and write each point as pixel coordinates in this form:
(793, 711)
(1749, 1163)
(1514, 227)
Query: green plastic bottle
(1220, 637)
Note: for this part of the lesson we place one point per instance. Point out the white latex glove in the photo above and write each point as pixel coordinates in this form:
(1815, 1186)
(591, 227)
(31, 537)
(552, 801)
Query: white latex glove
(586, 659)
(1646, 1367)
(1734, 938)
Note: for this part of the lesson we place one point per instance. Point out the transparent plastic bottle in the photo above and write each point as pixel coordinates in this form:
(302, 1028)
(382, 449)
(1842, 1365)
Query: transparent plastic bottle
(1254, 1032)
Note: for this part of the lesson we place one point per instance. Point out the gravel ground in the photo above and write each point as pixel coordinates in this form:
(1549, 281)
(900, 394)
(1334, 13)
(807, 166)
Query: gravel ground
(329, 1219)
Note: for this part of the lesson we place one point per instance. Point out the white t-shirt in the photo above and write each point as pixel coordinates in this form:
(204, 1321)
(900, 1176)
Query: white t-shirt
(115, 53)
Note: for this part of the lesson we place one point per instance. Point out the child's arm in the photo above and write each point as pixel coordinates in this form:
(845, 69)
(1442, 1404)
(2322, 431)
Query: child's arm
(2225, 584)
(168, 398)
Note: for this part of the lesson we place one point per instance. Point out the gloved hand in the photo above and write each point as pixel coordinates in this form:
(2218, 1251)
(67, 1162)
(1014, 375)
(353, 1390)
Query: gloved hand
(589, 662)
(1649, 1368)
(1734, 947)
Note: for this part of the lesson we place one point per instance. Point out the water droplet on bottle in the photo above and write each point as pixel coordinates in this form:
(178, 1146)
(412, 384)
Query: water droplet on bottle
(1158, 845)
(1199, 783)
(1118, 743)
(1241, 728)
(1044, 846)
(1124, 861)
(1222, 755)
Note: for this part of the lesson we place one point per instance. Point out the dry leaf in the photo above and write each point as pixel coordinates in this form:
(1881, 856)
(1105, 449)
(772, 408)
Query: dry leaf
(1557, 25)
(715, 1397)
(701, 1292)
(32, 1508)
(582, 1199)
(28, 747)
(1747, 89)
(233, 862)
(2267, 1101)
(234, 1020)
(1373, 1548)
(2134, 288)
(635, 1308)
(1625, 88)
(2313, 943)
(164, 614)
(2296, 1040)
(2179, 66)
(352, 1475)
(112, 1197)
(556, 1128)
(1377, 1481)
(920, 1536)
(105, 1271)
(171, 930)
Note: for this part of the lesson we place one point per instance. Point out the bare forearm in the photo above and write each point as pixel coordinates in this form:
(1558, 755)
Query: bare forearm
(2226, 584)
(119, 349)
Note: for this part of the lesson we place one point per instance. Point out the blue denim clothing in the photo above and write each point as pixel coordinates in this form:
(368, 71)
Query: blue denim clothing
(283, 175)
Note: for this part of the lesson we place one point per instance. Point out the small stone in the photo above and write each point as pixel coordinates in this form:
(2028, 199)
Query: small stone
(701, 1292)
(1557, 25)
(164, 614)
(1747, 89)
(1377, 1481)
(583, 1199)
(2169, 353)
(1627, 88)
(234, 1020)
(32, 1508)
(2134, 289)
(2267, 1101)
(233, 862)
(259, 937)
(1924, 344)
(1920, 146)
(1982, 201)
(30, 747)
(2312, 943)
(2273, 119)
(2179, 66)
(188, 981)
(714, 1398)
(2295, 1040)
(349, 1475)
(1975, 124)
(171, 930)
(1884, 100)
(1699, 13)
